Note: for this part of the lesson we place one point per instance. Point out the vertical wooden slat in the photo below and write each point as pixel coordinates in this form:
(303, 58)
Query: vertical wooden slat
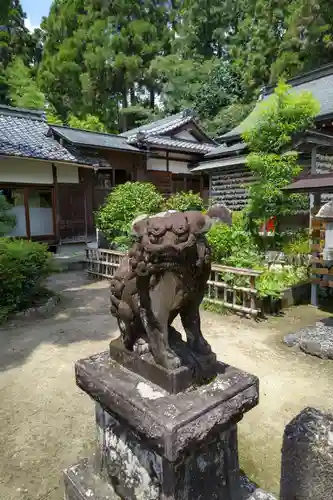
(26, 209)
(252, 286)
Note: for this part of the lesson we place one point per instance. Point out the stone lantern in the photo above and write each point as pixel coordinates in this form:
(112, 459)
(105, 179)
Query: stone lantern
(325, 214)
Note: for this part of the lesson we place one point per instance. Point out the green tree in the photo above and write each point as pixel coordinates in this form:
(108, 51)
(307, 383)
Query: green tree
(7, 219)
(89, 122)
(22, 89)
(278, 118)
(206, 27)
(227, 118)
(97, 55)
(253, 47)
(123, 204)
(15, 41)
(307, 42)
(203, 85)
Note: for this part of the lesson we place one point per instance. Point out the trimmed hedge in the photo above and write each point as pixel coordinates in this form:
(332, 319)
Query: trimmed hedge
(23, 267)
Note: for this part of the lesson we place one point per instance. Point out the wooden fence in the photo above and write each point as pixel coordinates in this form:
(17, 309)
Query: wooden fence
(321, 271)
(230, 287)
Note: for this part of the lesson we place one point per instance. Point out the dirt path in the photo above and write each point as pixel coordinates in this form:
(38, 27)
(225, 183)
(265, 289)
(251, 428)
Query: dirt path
(46, 423)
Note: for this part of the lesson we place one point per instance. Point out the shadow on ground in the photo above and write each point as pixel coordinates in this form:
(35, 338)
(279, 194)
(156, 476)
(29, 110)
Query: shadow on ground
(82, 315)
(47, 423)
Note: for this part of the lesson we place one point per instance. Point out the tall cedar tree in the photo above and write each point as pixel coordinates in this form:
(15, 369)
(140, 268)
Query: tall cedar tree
(100, 54)
(15, 41)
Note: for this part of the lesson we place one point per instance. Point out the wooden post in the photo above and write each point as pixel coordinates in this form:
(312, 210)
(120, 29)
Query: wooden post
(313, 201)
(57, 202)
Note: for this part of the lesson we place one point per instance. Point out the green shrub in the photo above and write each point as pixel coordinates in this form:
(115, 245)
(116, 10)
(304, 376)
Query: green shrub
(233, 245)
(7, 220)
(185, 201)
(273, 281)
(123, 204)
(23, 267)
(298, 244)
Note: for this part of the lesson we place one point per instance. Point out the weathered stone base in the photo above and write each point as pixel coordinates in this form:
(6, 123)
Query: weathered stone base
(136, 472)
(154, 445)
(82, 483)
(196, 368)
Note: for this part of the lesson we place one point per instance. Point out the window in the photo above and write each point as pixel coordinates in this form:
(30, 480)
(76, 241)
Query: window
(40, 211)
(15, 197)
(33, 209)
(104, 180)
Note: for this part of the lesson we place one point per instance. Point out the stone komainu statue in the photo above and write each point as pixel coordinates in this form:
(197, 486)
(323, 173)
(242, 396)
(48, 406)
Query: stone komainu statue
(163, 275)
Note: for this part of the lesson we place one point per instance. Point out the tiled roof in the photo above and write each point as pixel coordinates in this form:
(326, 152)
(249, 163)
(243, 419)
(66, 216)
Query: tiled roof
(319, 82)
(176, 144)
(23, 133)
(164, 125)
(87, 138)
(224, 150)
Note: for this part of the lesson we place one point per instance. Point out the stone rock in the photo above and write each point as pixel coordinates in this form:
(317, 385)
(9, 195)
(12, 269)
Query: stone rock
(307, 457)
(316, 340)
(260, 494)
(251, 492)
(82, 483)
(292, 339)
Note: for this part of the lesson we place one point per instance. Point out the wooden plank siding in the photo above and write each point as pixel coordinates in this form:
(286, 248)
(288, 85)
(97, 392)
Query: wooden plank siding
(228, 185)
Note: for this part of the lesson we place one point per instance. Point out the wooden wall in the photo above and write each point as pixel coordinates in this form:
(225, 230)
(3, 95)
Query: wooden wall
(227, 186)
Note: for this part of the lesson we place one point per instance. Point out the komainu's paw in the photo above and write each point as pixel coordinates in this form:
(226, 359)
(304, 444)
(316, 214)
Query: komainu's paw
(200, 346)
(170, 360)
(141, 347)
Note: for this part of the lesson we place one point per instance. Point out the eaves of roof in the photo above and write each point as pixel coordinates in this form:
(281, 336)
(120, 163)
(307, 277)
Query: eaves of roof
(180, 145)
(24, 134)
(89, 139)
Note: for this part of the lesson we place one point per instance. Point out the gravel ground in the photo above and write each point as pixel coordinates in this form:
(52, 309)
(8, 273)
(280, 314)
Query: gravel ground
(47, 424)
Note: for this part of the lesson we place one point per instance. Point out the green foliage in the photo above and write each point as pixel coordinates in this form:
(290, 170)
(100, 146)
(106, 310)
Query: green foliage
(15, 41)
(89, 122)
(7, 220)
(203, 85)
(184, 201)
(270, 132)
(233, 245)
(123, 243)
(280, 116)
(273, 282)
(215, 308)
(298, 244)
(123, 204)
(227, 118)
(23, 267)
(23, 91)
(126, 63)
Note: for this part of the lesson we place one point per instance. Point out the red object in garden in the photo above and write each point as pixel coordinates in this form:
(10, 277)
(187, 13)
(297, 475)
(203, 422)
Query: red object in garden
(269, 226)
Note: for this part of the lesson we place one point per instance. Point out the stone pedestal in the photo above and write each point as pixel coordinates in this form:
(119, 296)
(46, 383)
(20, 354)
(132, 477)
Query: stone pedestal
(152, 444)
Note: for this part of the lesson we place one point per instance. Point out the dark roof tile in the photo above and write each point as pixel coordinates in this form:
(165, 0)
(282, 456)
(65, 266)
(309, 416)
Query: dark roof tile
(164, 125)
(87, 138)
(179, 144)
(23, 133)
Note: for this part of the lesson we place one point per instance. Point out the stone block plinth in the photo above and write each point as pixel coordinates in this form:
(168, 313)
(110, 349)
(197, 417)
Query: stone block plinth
(153, 444)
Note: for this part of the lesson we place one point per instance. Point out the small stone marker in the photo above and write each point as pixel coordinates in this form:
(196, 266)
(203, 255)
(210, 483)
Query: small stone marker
(307, 457)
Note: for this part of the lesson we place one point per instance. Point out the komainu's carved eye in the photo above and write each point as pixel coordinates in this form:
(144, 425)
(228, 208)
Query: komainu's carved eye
(180, 228)
(156, 229)
(154, 239)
